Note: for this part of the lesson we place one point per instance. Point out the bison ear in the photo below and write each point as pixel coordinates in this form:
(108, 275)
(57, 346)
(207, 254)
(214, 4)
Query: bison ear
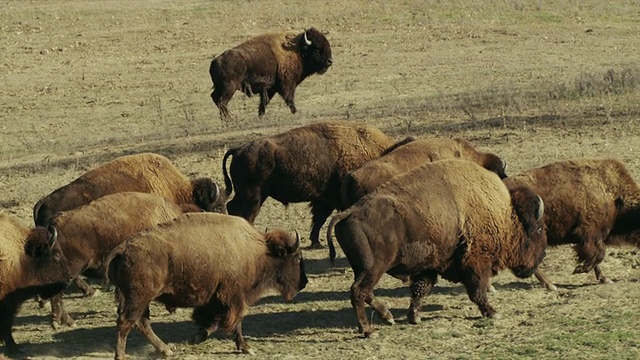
(205, 193)
(276, 248)
(40, 241)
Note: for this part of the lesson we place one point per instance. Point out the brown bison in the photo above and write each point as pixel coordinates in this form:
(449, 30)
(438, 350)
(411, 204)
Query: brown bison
(589, 203)
(88, 234)
(218, 264)
(303, 164)
(31, 263)
(269, 64)
(449, 217)
(146, 172)
(401, 159)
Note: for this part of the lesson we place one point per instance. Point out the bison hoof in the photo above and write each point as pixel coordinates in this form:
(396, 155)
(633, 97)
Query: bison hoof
(551, 287)
(491, 288)
(414, 319)
(370, 334)
(315, 246)
(495, 316)
(249, 352)
(605, 280)
(166, 352)
(199, 337)
(389, 320)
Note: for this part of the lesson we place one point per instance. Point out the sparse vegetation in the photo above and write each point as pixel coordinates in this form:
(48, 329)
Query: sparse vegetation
(532, 81)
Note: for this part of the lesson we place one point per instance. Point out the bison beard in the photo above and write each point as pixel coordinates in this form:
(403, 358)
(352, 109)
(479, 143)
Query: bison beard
(268, 64)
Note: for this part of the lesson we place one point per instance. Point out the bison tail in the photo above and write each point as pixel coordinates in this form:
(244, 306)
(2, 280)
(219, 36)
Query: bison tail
(228, 185)
(334, 221)
(113, 262)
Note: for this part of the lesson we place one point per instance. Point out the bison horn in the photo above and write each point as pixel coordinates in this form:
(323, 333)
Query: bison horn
(540, 209)
(306, 39)
(215, 192)
(296, 246)
(53, 235)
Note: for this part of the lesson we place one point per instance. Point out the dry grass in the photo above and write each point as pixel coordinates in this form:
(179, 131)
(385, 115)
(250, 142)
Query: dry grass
(534, 81)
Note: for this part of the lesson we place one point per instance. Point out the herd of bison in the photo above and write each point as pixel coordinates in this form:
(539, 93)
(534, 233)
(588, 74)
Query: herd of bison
(416, 209)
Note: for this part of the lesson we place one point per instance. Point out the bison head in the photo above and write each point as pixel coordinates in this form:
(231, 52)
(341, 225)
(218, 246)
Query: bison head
(315, 51)
(52, 267)
(291, 276)
(529, 209)
(207, 195)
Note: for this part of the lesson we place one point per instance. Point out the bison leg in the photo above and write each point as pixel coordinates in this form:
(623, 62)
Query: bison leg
(288, 95)
(265, 98)
(600, 276)
(542, 277)
(241, 343)
(144, 326)
(8, 310)
(87, 290)
(321, 211)
(59, 315)
(477, 286)
(208, 318)
(361, 292)
(590, 253)
(421, 286)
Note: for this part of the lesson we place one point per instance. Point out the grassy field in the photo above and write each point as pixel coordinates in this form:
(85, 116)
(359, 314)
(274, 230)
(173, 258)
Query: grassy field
(533, 81)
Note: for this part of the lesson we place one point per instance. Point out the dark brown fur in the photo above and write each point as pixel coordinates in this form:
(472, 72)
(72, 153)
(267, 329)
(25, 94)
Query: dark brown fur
(303, 164)
(217, 264)
(589, 203)
(88, 234)
(31, 263)
(269, 64)
(400, 159)
(146, 172)
(467, 230)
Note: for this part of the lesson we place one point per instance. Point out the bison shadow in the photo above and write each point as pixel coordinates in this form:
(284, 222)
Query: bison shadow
(82, 341)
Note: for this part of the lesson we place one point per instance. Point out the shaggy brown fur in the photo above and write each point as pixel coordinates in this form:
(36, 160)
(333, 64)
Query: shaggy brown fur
(269, 64)
(401, 159)
(146, 172)
(31, 263)
(88, 234)
(449, 217)
(589, 203)
(303, 164)
(218, 264)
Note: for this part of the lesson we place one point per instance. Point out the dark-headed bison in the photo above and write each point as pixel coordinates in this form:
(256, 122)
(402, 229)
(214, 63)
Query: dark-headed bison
(218, 264)
(401, 159)
(450, 217)
(589, 203)
(269, 64)
(31, 263)
(304, 164)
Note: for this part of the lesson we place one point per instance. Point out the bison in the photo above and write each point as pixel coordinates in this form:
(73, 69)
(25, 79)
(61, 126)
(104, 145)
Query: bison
(304, 164)
(31, 263)
(269, 64)
(218, 264)
(145, 172)
(590, 203)
(88, 234)
(450, 217)
(410, 154)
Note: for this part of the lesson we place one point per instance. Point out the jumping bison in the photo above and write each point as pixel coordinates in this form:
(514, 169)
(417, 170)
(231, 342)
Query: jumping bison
(451, 218)
(269, 64)
(303, 164)
(218, 264)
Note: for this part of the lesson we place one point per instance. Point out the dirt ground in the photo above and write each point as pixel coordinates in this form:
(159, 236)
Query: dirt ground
(533, 81)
